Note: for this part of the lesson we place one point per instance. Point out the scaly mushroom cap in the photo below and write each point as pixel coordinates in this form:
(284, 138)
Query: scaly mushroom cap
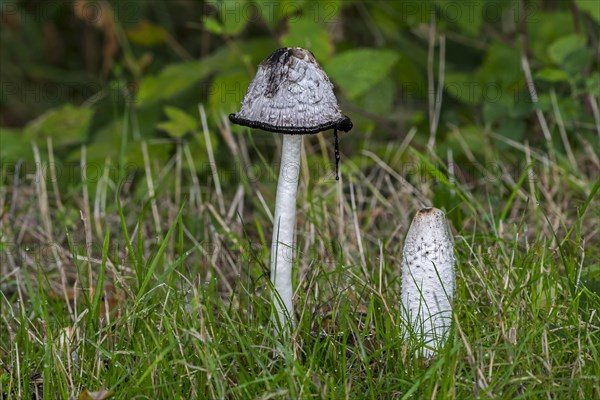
(291, 94)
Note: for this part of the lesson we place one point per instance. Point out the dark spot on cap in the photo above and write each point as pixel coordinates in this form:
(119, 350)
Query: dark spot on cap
(274, 57)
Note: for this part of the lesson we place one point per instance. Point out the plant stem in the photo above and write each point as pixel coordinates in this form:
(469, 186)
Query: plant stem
(282, 249)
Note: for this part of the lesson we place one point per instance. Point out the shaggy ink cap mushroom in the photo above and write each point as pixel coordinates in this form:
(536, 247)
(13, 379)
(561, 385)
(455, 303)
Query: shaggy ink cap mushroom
(428, 265)
(291, 94)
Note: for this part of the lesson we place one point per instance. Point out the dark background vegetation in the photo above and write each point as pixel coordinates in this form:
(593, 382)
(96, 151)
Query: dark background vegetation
(77, 72)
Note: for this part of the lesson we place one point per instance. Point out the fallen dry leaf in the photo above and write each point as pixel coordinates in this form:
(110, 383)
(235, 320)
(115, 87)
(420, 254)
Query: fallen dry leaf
(101, 394)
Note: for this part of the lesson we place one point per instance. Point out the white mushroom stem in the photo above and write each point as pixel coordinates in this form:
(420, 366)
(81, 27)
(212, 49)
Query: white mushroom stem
(282, 247)
(428, 280)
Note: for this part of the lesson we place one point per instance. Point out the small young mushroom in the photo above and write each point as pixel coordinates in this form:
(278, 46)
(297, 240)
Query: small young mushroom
(428, 279)
(292, 95)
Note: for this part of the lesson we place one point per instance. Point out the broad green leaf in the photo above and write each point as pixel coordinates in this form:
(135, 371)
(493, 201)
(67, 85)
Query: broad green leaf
(592, 84)
(307, 33)
(571, 110)
(561, 48)
(592, 7)
(544, 103)
(378, 100)
(213, 26)
(356, 71)
(146, 33)
(464, 87)
(552, 75)
(66, 125)
(227, 91)
(176, 78)
(179, 122)
(235, 14)
(501, 68)
(105, 145)
(494, 112)
(578, 60)
(172, 80)
(545, 29)
(410, 78)
(517, 106)
(502, 63)
(13, 146)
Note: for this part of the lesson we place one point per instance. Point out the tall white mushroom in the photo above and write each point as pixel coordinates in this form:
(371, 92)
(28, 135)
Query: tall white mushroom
(290, 94)
(428, 279)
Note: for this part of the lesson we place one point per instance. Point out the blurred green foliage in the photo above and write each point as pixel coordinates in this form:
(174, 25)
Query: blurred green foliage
(109, 74)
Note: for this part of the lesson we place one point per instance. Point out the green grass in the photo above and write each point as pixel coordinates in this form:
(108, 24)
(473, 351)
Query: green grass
(170, 297)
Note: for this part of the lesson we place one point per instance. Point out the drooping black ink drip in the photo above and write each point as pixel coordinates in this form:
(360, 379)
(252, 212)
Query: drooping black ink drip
(337, 154)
